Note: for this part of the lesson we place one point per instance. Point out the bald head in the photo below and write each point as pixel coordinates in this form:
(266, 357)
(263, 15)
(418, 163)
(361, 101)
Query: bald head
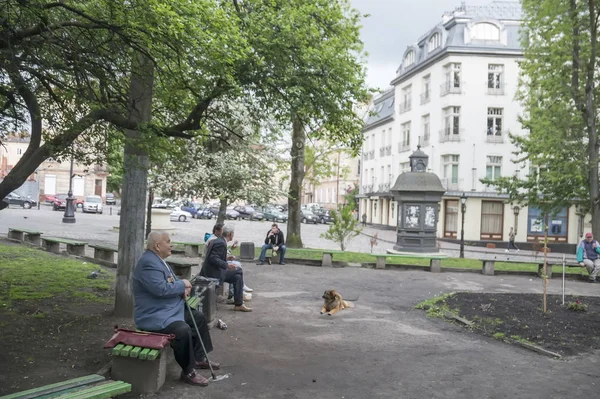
(159, 242)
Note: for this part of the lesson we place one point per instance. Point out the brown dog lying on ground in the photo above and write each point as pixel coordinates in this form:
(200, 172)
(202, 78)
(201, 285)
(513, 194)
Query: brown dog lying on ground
(334, 302)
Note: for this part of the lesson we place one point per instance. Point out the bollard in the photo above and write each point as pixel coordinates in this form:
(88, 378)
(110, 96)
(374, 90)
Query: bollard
(111, 211)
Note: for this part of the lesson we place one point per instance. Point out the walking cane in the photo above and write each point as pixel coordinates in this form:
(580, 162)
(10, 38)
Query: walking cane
(212, 372)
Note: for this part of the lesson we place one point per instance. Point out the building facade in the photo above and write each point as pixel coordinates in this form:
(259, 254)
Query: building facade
(455, 96)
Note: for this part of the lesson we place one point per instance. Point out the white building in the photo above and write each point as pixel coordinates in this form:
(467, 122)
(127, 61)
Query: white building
(454, 93)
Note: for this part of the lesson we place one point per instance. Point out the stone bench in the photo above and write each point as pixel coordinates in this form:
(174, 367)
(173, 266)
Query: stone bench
(88, 387)
(326, 255)
(22, 235)
(144, 368)
(52, 244)
(104, 252)
(489, 266)
(191, 249)
(182, 266)
(435, 265)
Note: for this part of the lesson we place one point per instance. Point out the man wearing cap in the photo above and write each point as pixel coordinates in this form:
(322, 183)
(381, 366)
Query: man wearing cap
(587, 255)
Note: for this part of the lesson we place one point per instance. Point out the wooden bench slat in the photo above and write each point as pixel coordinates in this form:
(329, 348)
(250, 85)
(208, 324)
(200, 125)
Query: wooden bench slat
(24, 231)
(116, 351)
(143, 355)
(104, 247)
(63, 241)
(57, 387)
(135, 351)
(105, 390)
(125, 351)
(153, 354)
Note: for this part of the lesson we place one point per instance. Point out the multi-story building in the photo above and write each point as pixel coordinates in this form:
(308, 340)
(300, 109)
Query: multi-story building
(454, 94)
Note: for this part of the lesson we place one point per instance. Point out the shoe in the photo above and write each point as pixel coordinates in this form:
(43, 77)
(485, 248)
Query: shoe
(518, 250)
(247, 297)
(194, 378)
(282, 263)
(230, 301)
(592, 281)
(204, 365)
(248, 289)
(242, 308)
(506, 250)
(260, 263)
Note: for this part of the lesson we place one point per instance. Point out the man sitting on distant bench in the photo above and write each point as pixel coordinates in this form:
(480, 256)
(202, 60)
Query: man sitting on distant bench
(587, 255)
(275, 242)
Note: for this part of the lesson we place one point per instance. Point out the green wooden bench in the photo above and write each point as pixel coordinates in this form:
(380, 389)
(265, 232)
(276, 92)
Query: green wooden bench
(182, 266)
(52, 244)
(434, 260)
(104, 252)
(88, 387)
(22, 235)
(191, 249)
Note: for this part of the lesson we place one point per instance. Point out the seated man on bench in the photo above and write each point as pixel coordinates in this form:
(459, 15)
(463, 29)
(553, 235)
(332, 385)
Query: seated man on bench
(587, 255)
(274, 241)
(160, 307)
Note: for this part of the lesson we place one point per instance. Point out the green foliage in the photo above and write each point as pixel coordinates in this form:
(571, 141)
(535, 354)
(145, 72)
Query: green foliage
(343, 228)
(577, 306)
(30, 274)
(436, 306)
(499, 335)
(350, 197)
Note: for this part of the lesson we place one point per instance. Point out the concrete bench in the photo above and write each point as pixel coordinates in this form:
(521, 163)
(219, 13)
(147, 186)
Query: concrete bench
(52, 244)
(91, 386)
(434, 260)
(327, 259)
(104, 252)
(182, 266)
(144, 368)
(22, 235)
(489, 266)
(191, 249)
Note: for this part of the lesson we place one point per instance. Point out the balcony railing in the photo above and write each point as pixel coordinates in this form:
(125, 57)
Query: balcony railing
(451, 184)
(403, 146)
(495, 90)
(386, 187)
(405, 106)
(370, 188)
(380, 187)
(490, 189)
(450, 135)
(426, 97)
(381, 152)
(494, 137)
(426, 140)
(388, 150)
(372, 154)
(449, 88)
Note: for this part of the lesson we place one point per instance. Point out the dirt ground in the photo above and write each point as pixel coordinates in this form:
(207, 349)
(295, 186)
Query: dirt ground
(381, 348)
(520, 316)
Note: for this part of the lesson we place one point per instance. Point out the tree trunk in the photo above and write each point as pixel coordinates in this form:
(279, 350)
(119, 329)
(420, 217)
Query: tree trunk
(222, 211)
(135, 184)
(545, 276)
(294, 238)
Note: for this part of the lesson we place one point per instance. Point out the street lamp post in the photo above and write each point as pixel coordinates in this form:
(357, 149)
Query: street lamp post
(516, 210)
(580, 214)
(463, 209)
(69, 216)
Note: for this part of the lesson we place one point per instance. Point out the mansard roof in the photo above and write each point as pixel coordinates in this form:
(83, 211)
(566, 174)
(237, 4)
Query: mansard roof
(381, 110)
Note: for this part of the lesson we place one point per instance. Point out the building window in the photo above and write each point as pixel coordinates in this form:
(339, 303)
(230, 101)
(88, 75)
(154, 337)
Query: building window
(404, 167)
(406, 104)
(451, 123)
(434, 42)
(450, 218)
(495, 77)
(557, 224)
(19, 151)
(493, 167)
(374, 209)
(485, 31)
(450, 165)
(409, 58)
(492, 215)
(452, 75)
(426, 89)
(405, 143)
(494, 122)
(392, 209)
(426, 129)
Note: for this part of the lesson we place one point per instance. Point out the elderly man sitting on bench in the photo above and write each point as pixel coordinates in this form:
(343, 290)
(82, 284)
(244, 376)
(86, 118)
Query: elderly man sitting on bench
(160, 307)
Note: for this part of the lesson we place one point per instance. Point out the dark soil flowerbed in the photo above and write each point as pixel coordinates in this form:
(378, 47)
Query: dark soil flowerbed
(520, 317)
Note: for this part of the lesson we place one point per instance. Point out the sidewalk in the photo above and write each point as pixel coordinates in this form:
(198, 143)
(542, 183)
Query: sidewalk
(387, 238)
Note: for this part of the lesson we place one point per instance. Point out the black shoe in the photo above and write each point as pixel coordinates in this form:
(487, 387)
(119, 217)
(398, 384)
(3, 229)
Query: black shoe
(593, 281)
(260, 263)
(282, 263)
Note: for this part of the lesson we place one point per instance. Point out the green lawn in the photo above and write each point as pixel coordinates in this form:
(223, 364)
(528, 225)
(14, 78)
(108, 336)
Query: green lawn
(32, 274)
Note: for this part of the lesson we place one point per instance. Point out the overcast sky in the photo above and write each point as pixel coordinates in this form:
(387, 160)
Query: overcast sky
(392, 26)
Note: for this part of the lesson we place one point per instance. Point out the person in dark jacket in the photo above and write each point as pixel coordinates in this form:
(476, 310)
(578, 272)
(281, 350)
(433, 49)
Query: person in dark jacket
(216, 265)
(159, 307)
(275, 241)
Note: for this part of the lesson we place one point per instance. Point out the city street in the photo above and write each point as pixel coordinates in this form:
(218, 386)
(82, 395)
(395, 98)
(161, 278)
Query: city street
(95, 228)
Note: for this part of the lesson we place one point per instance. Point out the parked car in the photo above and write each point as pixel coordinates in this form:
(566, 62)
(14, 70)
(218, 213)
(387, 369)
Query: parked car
(323, 215)
(180, 215)
(92, 203)
(60, 203)
(307, 216)
(110, 199)
(248, 212)
(275, 215)
(230, 213)
(49, 198)
(204, 212)
(191, 209)
(16, 199)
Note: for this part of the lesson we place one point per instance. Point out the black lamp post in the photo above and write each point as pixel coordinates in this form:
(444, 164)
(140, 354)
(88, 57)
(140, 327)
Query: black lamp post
(463, 209)
(516, 210)
(580, 214)
(69, 216)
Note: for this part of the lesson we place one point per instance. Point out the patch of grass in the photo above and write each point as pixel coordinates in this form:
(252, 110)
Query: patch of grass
(518, 338)
(436, 306)
(498, 335)
(30, 274)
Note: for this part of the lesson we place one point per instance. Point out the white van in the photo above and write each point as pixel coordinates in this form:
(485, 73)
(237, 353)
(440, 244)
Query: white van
(92, 203)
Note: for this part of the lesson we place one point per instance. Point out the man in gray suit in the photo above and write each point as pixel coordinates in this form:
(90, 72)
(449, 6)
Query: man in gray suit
(159, 307)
